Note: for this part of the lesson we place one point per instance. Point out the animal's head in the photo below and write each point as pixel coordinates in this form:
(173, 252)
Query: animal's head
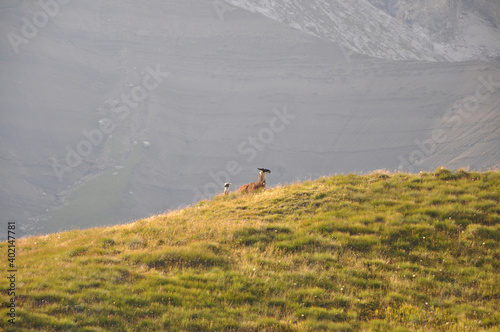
(264, 170)
(227, 184)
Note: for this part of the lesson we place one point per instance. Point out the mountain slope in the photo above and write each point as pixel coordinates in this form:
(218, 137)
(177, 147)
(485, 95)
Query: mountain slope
(234, 88)
(395, 29)
(346, 253)
(356, 25)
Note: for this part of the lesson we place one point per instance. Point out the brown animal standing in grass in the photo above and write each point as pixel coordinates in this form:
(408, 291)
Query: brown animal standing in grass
(261, 184)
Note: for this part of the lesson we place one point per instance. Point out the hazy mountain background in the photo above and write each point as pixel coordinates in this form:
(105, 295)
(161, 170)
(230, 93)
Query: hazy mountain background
(305, 88)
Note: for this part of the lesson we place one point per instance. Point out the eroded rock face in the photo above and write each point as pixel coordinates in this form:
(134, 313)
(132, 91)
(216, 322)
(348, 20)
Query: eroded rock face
(487, 9)
(466, 29)
(439, 17)
(429, 30)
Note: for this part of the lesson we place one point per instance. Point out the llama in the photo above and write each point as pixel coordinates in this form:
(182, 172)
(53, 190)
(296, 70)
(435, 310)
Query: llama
(226, 188)
(260, 184)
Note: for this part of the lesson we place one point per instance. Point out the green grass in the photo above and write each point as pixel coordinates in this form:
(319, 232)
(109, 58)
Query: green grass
(378, 252)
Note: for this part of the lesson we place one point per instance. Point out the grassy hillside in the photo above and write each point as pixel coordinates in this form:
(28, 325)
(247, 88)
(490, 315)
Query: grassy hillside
(347, 253)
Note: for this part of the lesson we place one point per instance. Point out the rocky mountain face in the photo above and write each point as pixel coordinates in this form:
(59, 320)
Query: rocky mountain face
(469, 29)
(487, 9)
(113, 110)
(439, 19)
(440, 16)
(430, 30)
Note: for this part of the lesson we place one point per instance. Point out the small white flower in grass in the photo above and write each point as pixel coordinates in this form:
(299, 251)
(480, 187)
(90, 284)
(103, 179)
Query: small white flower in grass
(413, 276)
